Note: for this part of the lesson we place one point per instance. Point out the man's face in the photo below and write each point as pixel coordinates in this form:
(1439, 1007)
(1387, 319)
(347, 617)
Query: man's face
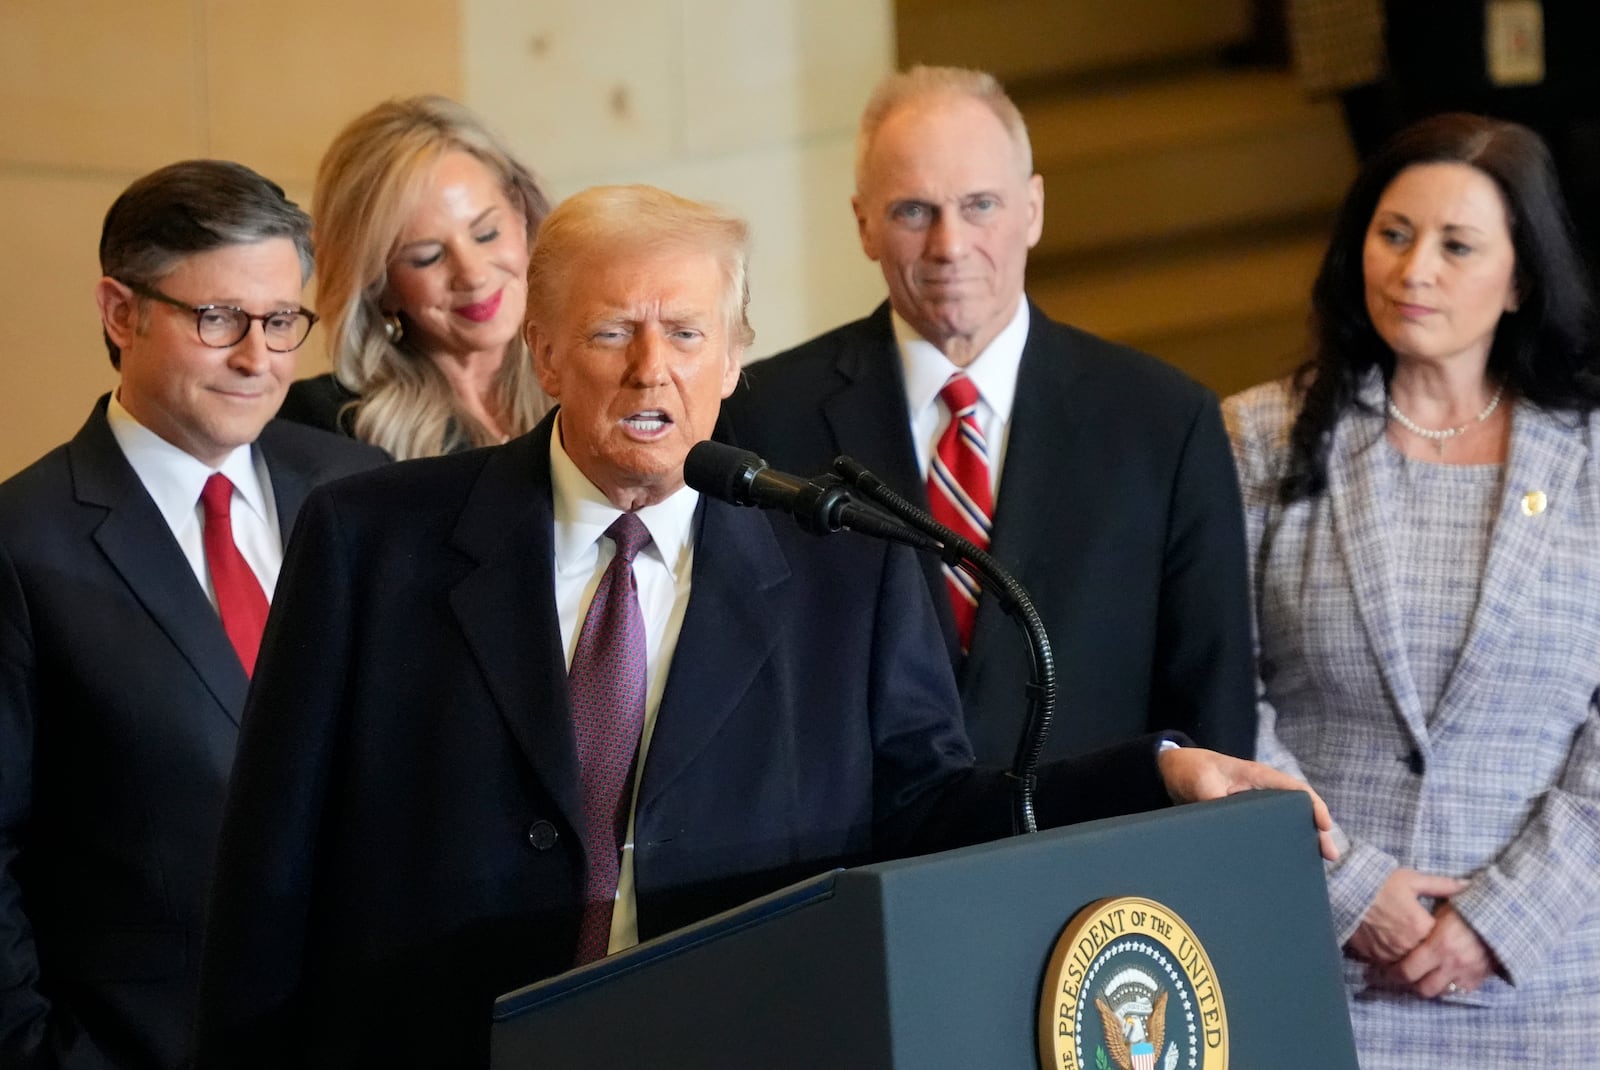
(945, 209)
(640, 359)
(205, 401)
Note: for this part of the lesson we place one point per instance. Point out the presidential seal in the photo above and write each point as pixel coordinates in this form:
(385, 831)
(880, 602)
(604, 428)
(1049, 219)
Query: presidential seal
(1130, 988)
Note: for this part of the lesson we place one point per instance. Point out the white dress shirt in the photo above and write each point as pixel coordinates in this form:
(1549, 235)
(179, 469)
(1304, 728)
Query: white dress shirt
(174, 479)
(661, 571)
(993, 372)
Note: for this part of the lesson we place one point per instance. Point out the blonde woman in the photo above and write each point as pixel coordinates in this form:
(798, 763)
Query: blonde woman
(423, 224)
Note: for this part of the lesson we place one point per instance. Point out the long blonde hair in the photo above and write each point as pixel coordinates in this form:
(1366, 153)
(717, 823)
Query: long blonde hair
(369, 182)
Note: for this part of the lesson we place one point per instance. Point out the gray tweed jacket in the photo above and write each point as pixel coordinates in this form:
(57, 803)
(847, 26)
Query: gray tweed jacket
(1501, 782)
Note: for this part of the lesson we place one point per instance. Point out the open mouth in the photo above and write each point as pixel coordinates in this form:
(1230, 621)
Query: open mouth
(648, 423)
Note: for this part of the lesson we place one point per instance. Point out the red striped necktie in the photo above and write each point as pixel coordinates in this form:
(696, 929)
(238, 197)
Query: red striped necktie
(959, 494)
(240, 601)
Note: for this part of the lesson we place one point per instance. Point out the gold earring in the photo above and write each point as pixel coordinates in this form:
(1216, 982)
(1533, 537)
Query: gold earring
(393, 328)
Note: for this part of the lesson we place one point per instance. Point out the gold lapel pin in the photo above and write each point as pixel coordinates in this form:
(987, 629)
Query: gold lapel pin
(1534, 502)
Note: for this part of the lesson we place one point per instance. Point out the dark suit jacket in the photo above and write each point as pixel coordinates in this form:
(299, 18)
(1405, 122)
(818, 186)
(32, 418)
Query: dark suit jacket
(319, 402)
(119, 702)
(322, 402)
(1118, 511)
(404, 836)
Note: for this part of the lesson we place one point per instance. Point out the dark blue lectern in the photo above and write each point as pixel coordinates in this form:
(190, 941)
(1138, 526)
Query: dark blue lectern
(937, 961)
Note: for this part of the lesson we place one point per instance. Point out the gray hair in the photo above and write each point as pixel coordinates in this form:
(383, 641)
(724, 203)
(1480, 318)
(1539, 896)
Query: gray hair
(920, 83)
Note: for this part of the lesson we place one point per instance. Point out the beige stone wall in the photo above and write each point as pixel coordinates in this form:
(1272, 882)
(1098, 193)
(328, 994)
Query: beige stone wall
(94, 93)
(751, 105)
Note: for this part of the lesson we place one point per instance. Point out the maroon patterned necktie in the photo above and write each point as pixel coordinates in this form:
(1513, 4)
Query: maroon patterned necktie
(240, 600)
(959, 494)
(607, 685)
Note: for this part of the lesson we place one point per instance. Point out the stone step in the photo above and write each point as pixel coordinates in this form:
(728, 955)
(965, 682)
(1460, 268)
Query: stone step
(1234, 356)
(1028, 39)
(1231, 312)
(1181, 156)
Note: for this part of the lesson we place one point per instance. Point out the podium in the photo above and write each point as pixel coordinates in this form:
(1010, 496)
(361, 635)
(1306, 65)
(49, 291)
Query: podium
(938, 961)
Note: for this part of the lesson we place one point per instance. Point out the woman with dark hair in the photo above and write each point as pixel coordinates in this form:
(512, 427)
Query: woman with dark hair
(1422, 505)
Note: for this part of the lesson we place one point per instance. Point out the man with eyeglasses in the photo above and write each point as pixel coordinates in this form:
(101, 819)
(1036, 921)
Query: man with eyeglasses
(136, 566)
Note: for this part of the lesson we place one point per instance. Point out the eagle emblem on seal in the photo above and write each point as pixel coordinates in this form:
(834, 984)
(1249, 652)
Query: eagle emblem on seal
(1133, 1011)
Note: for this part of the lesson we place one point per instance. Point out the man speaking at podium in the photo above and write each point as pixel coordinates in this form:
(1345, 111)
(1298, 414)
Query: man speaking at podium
(529, 705)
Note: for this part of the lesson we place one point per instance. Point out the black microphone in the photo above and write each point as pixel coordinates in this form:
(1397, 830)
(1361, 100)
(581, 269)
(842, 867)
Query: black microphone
(822, 505)
(738, 476)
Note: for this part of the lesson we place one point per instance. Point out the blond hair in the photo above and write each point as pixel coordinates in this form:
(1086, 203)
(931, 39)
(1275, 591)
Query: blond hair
(370, 181)
(613, 220)
(922, 83)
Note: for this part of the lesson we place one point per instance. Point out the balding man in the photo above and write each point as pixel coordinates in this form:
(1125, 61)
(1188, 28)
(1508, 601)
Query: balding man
(1099, 476)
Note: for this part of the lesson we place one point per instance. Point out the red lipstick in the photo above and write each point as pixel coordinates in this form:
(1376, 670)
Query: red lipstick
(483, 311)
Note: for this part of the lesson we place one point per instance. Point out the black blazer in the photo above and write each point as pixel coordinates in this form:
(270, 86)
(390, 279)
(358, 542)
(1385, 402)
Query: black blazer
(404, 837)
(320, 402)
(120, 697)
(1118, 511)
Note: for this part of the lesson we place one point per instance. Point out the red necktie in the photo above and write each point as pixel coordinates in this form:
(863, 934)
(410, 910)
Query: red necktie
(606, 685)
(959, 494)
(239, 598)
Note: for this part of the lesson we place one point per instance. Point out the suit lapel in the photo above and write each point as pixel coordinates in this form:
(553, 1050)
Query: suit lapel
(1359, 495)
(728, 633)
(868, 418)
(136, 541)
(1546, 455)
(867, 413)
(507, 613)
(1045, 461)
(292, 476)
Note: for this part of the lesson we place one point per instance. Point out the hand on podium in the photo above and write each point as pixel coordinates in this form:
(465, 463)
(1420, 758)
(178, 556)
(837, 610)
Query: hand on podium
(1192, 774)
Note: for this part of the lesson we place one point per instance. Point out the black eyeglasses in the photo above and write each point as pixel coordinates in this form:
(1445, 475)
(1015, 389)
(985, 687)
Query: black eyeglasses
(224, 326)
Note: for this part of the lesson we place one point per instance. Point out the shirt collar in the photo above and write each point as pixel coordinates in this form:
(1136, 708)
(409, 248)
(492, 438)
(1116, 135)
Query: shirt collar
(993, 372)
(174, 478)
(582, 515)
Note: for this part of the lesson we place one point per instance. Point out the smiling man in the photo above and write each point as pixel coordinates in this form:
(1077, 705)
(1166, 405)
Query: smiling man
(136, 565)
(1099, 476)
(528, 705)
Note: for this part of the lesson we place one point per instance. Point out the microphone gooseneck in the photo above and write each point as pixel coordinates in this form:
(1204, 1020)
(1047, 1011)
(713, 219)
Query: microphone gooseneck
(824, 505)
(958, 552)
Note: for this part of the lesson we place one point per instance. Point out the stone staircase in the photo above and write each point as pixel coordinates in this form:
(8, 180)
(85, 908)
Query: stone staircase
(1187, 196)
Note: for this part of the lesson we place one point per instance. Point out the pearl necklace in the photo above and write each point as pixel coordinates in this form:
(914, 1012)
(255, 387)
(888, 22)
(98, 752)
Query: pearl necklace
(1440, 437)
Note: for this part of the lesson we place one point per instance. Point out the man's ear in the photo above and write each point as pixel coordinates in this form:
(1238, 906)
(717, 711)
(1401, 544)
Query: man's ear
(1035, 210)
(735, 368)
(868, 244)
(119, 310)
(542, 353)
